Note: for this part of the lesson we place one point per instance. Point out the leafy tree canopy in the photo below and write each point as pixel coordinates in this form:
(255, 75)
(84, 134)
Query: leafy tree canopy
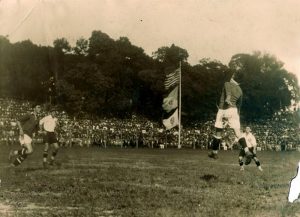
(106, 77)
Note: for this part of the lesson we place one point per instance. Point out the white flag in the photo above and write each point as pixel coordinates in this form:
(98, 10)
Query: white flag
(171, 101)
(172, 79)
(172, 121)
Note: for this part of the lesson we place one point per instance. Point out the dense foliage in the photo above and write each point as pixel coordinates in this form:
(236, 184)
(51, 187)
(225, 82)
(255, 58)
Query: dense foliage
(101, 76)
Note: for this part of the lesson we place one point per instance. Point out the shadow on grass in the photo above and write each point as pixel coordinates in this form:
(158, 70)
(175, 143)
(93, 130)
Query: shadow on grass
(30, 169)
(209, 177)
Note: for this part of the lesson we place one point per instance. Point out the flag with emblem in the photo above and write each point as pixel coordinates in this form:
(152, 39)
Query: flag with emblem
(172, 121)
(171, 101)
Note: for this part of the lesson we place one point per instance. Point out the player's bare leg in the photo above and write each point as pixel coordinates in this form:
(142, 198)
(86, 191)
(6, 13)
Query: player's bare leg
(237, 132)
(257, 163)
(241, 162)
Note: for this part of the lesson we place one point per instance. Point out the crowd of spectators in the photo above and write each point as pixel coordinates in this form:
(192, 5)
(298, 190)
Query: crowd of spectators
(279, 133)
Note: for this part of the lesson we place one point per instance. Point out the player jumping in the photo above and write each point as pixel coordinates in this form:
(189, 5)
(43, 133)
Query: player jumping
(231, 98)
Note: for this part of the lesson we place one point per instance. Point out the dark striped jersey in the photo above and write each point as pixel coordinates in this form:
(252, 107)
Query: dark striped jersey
(29, 124)
(232, 92)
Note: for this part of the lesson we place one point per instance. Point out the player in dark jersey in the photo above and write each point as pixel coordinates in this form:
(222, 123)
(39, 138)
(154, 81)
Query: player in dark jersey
(28, 125)
(230, 100)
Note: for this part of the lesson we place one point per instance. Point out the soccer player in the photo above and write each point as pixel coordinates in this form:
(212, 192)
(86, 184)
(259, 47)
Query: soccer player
(49, 124)
(28, 125)
(251, 144)
(228, 114)
(294, 191)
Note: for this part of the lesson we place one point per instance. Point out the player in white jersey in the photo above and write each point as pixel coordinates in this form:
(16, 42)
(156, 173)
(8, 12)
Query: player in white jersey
(49, 124)
(294, 191)
(251, 144)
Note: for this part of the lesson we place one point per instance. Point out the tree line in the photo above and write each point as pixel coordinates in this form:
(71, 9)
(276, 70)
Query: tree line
(101, 76)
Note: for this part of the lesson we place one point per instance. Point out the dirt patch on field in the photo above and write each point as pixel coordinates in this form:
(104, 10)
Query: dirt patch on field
(6, 209)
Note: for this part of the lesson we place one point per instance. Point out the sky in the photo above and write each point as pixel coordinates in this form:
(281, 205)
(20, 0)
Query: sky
(216, 29)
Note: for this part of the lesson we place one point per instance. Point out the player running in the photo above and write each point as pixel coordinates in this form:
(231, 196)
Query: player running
(49, 124)
(28, 125)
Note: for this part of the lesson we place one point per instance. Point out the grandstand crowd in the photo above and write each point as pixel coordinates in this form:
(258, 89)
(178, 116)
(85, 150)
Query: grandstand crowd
(278, 133)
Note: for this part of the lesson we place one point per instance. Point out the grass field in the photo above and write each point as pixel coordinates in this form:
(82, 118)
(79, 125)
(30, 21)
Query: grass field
(147, 182)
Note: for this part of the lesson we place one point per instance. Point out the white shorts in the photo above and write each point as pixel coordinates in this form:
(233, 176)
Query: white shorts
(231, 117)
(25, 140)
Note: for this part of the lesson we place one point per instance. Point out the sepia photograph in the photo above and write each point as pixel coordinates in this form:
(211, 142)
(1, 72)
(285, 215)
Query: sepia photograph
(148, 108)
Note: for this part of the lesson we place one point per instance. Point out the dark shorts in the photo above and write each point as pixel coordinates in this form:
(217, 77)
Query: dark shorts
(50, 138)
(243, 154)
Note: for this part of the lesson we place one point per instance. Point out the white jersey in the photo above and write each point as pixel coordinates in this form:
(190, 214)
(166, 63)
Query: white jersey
(250, 140)
(295, 187)
(49, 123)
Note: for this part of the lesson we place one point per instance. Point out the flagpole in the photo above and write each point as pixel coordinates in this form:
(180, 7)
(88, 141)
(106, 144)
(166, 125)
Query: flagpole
(179, 107)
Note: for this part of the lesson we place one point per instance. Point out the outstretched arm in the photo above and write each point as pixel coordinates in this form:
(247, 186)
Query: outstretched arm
(20, 128)
(227, 93)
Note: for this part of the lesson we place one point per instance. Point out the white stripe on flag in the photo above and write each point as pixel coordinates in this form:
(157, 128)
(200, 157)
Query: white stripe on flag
(173, 73)
(168, 85)
(172, 78)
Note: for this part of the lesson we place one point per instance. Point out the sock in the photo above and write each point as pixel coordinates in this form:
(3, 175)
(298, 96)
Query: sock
(241, 162)
(257, 162)
(22, 156)
(215, 144)
(54, 153)
(45, 156)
